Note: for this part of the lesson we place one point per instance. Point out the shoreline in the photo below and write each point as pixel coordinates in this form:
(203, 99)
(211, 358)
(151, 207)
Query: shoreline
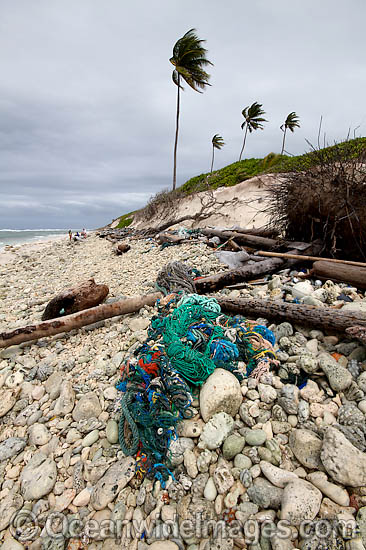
(9, 253)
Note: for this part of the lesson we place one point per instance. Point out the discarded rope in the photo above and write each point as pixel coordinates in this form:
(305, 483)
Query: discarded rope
(187, 340)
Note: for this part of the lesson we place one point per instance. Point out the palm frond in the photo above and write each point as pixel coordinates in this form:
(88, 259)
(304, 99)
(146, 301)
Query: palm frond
(292, 121)
(218, 141)
(253, 117)
(189, 59)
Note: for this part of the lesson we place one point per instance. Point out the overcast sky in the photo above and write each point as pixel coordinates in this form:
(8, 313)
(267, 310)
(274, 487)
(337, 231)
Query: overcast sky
(87, 104)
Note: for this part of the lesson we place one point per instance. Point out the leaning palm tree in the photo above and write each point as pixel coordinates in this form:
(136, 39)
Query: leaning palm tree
(189, 60)
(217, 143)
(253, 121)
(292, 121)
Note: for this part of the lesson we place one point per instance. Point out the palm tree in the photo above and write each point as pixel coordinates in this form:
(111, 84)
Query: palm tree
(189, 60)
(292, 121)
(253, 121)
(217, 143)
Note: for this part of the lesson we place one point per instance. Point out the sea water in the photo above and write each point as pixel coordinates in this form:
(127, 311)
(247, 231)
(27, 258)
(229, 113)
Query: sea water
(16, 237)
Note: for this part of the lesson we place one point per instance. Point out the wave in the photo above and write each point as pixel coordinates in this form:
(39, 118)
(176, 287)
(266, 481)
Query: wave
(34, 230)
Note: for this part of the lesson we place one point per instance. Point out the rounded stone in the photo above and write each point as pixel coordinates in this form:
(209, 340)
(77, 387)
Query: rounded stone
(39, 435)
(255, 437)
(243, 462)
(210, 492)
(91, 438)
(232, 446)
(220, 393)
(112, 431)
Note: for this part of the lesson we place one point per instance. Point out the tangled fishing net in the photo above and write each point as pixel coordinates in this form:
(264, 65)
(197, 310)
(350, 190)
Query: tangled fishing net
(187, 340)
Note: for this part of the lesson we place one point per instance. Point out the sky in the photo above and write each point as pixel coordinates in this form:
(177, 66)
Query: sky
(87, 103)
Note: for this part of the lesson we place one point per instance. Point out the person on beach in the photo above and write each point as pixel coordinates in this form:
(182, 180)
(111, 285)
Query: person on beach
(83, 233)
(70, 234)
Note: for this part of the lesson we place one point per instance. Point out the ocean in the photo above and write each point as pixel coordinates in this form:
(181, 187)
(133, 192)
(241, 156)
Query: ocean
(16, 237)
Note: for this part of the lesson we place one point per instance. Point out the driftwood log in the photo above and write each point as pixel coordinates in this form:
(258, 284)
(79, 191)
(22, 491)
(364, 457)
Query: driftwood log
(286, 255)
(232, 276)
(76, 320)
(255, 241)
(122, 248)
(83, 296)
(325, 318)
(248, 272)
(341, 273)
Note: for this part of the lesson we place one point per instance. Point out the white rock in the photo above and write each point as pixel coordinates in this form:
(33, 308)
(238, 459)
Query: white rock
(302, 289)
(216, 431)
(190, 463)
(112, 482)
(38, 477)
(220, 392)
(277, 476)
(300, 501)
(306, 447)
(39, 435)
(14, 379)
(190, 428)
(9, 504)
(342, 461)
(64, 500)
(163, 545)
(210, 492)
(65, 403)
(7, 401)
(87, 407)
(83, 498)
(334, 492)
(11, 544)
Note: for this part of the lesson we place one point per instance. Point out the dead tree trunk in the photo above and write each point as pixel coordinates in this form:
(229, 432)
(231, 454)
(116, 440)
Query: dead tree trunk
(341, 273)
(325, 318)
(76, 320)
(83, 296)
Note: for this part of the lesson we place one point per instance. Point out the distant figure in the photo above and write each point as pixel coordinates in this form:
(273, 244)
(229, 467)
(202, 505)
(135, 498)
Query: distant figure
(70, 234)
(83, 233)
(77, 234)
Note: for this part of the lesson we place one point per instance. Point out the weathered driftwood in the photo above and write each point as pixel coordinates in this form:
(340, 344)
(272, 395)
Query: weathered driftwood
(232, 276)
(83, 296)
(248, 272)
(251, 240)
(169, 238)
(76, 320)
(285, 255)
(122, 248)
(325, 318)
(255, 241)
(341, 273)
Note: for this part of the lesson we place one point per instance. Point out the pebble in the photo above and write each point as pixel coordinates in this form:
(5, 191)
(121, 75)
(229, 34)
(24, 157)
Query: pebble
(91, 438)
(112, 431)
(255, 437)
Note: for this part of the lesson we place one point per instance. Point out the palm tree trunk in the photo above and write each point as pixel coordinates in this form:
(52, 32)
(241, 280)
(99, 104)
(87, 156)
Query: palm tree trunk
(176, 136)
(213, 156)
(283, 141)
(245, 138)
